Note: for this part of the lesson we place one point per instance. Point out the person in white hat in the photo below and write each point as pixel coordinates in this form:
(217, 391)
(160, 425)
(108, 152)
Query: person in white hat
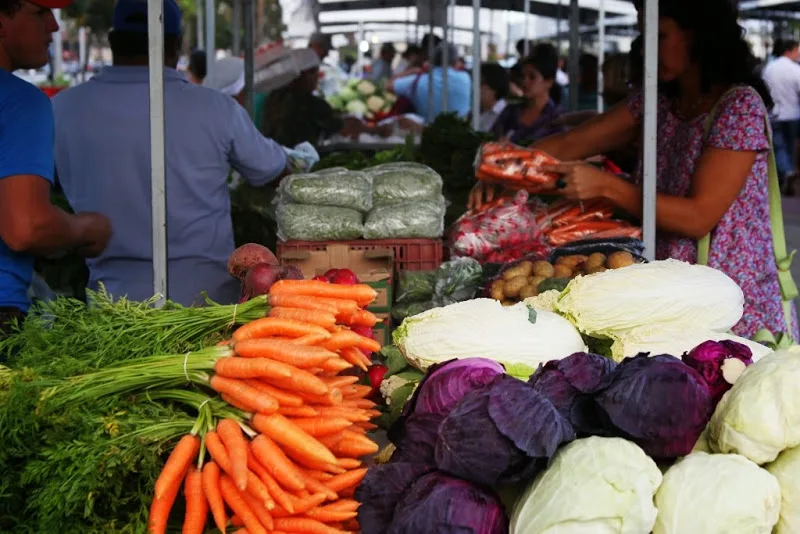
(227, 77)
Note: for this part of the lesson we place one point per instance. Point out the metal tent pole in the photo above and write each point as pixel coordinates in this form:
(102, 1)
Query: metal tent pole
(649, 127)
(58, 47)
(155, 32)
(526, 47)
(601, 54)
(211, 34)
(574, 53)
(446, 57)
(249, 16)
(201, 40)
(431, 50)
(237, 27)
(476, 64)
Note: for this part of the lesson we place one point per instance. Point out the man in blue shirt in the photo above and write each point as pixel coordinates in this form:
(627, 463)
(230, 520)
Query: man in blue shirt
(29, 224)
(103, 162)
(459, 87)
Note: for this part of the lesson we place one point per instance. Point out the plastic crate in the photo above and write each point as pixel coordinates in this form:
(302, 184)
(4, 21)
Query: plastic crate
(409, 254)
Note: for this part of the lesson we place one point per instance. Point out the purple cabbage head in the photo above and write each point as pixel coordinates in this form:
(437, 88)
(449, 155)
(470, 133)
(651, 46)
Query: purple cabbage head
(381, 490)
(417, 442)
(446, 505)
(707, 359)
(658, 402)
(570, 384)
(500, 434)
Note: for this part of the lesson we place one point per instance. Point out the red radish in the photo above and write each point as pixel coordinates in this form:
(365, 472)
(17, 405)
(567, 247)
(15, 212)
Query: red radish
(375, 376)
(330, 274)
(291, 272)
(321, 278)
(248, 255)
(260, 277)
(345, 277)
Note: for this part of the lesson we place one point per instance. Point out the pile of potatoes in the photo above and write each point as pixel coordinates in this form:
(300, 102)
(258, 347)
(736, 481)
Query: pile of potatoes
(524, 279)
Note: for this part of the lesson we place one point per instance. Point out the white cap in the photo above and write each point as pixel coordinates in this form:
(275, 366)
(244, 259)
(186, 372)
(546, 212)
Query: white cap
(227, 76)
(305, 59)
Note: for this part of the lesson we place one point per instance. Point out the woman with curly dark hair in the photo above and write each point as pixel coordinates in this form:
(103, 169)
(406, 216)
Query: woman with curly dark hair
(713, 156)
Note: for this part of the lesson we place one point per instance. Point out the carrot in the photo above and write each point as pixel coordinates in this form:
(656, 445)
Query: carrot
(283, 351)
(239, 505)
(272, 458)
(358, 429)
(233, 438)
(260, 512)
(302, 505)
(353, 448)
(212, 492)
(236, 521)
(361, 293)
(272, 326)
(243, 394)
(348, 338)
(175, 468)
(296, 442)
(355, 357)
(310, 340)
(349, 493)
(283, 397)
(298, 411)
(305, 526)
(351, 525)
(343, 505)
(340, 381)
(252, 368)
(356, 391)
(196, 503)
(245, 531)
(363, 404)
(319, 475)
(161, 506)
(326, 468)
(281, 497)
(301, 302)
(300, 382)
(254, 484)
(318, 487)
(349, 463)
(361, 318)
(329, 516)
(336, 365)
(364, 426)
(346, 480)
(332, 398)
(317, 317)
(321, 426)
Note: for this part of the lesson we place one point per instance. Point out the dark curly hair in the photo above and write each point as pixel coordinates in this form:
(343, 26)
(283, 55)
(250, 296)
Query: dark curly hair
(10, 7)
(719, 46)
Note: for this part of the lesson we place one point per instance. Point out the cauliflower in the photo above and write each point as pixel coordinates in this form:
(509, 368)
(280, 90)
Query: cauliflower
(544, 301)
(348, 94)
(375, 104)
(389, 385)
(366, 88)
(357, 107)
(335, 102)
(390, 98)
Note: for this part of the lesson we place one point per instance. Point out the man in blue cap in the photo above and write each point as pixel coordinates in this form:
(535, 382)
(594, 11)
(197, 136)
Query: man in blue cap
(29, 224)
(103, 164)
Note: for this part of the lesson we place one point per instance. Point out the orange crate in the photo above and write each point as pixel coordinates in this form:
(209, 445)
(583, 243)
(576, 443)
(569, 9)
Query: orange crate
(409, 254)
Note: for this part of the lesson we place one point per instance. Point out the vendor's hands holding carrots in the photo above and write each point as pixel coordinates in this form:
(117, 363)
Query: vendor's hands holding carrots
(581, 181)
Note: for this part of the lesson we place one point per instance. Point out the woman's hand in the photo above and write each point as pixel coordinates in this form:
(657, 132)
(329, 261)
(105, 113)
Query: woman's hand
(581, 181)
(483, 193)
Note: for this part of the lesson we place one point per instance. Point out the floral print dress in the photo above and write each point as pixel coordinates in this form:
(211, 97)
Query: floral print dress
(741, 243)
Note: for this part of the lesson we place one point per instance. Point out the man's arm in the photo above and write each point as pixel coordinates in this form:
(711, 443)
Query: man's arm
(259, 160)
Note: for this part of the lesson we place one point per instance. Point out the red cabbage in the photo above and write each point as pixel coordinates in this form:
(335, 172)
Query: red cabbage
(570, 384)
(440, 504)
(381, 490)
(417, 442)
(658, 402)
(500, 434)
(707, 359)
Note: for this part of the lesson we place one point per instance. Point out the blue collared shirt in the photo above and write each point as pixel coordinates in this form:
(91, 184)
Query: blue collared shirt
(103, 164)
(459, 92)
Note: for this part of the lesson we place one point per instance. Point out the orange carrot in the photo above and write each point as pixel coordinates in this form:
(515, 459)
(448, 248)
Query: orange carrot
(336, 365)
(348, 338)
(236, 521)
(363, 404)
(349, 463)
(252, 368)
(332, 398)
(161, 506)
(319, 475)
(283, 351)
(245, 531)
(272, 326)
(233, 438)
(310, 340)
(329, 516)
(365, 426)
(298, 411)
(358, 429)
(196, 503)
(317, 317)
(295, 441)
(272, 457)
(356, 391)
(283, 397)
(281, 497)
(260, 512)
(176, 466)
(244, 394)
(301, 381)
(302, 505)
(301, 302)
(353, 448)
(343, 505)
(318, 487)
(212, 492)
(236, 404)
(305, 526)
(346, 480)
(321, 426)
(254, 484)
(361, 318)
(326, 468)
(354, 356)
(361, 293)
(240, 507)
(340, 381)
(353, 415)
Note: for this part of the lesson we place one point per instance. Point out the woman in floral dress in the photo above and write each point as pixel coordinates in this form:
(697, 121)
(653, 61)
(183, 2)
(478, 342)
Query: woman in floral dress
(707, 182)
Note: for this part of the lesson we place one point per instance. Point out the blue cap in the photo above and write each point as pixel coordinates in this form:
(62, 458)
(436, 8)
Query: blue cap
(131, 16)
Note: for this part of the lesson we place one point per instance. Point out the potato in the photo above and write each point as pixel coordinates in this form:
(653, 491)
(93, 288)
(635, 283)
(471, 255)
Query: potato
(620, 259)
(596, 269)
(507, 303)
(536, 280)
(514, 286)
(571, 261)
(528, 292)
(523, 269)
(563, 271)
(543, 268)
(595, 260)
(496, 291)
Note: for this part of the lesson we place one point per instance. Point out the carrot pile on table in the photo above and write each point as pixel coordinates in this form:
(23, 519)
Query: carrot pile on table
(566, 221)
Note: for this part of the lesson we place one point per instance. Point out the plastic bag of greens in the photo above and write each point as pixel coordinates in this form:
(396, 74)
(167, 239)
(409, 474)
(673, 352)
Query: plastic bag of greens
(340, 189)
(456, 281)
(415, 286)
(410, 220)
(403, 311)
(403, 183)
(318, 223)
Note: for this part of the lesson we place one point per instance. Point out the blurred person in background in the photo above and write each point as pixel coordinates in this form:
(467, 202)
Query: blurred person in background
(30, 225)
(782, 76)
(321, 45)
(410, 59)
(494, 91)
(227, 77)
(382, 67)
(103, 163)
(196, 71)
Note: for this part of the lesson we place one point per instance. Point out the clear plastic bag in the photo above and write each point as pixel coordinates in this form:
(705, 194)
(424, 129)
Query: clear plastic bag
(415, 286)
(318, 223)
(396, 183)
(505, 230)
(410, 220)
(337, 189)
(456, 281)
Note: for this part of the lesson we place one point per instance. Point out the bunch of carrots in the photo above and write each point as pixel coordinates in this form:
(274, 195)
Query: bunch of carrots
(567, 221)
(515, 167)
(287, 457)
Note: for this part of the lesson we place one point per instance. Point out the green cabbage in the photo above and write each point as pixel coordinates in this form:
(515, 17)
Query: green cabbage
(717, 494)
(593, 486)
(787, 470)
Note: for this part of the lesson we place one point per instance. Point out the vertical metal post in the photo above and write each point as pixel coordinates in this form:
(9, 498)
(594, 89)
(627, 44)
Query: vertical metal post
(527, 45)
(58, 47)
(559, 26)
(249, 16)
(431, 50)
(476, 64)
(359, 68)
(574, 53)
(211, 35)
(201, 40)
(649, 127)
(601, 54)
(451, 21)
(155, 33)
(82, 52)
(237, 27)
(445, 65)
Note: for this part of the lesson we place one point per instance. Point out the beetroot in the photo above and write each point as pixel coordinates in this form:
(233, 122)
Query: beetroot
(292, 273)
(345, 277)
(260, 278)
(248, 255)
